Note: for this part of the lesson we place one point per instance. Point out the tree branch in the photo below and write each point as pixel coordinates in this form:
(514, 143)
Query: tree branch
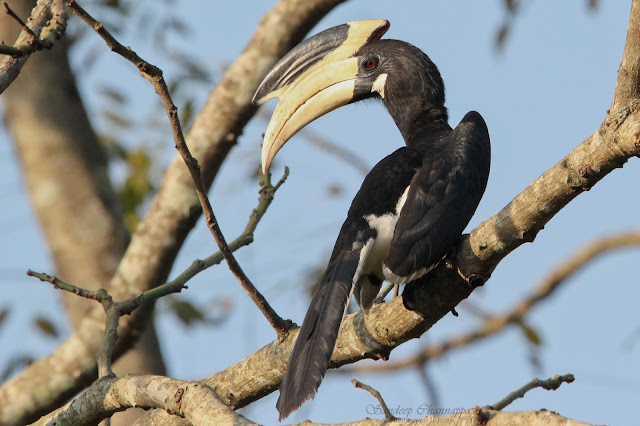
(376, 395)
(155, 76)
(11, 13)
(391, 324)
(49, 22)
(199, 405)
(115, 310)
(53, 379)
(112, 311)
(549, 384)
(192, 400)
(496, 323)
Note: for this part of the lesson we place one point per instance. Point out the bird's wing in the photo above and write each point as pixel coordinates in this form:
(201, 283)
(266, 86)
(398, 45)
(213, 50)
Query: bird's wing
(317, 337)
(442, 197)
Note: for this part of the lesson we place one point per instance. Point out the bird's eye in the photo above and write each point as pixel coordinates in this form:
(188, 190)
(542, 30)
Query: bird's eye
(371, 63)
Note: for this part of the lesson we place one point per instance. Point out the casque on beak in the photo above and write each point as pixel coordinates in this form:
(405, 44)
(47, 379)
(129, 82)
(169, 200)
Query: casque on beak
(316, 77)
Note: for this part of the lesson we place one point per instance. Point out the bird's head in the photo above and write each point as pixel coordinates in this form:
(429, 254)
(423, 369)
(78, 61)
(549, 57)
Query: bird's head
(342, 65)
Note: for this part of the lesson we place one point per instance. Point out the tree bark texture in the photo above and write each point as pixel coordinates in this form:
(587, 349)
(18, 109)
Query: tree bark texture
(65, 170)
(48, 382)
(175, 209)
(391, 324)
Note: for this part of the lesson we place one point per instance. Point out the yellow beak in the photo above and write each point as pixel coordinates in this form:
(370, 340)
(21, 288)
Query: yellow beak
(316, 77)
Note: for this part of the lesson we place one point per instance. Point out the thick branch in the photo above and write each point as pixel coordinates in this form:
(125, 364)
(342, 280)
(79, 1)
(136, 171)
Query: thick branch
(495, 323)
(192, 400)
(66, 172)
(391, 324)
(52, 380)
(197, 404)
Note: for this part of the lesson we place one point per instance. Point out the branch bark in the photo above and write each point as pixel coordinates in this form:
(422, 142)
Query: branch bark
(197, 404)
(193, 401)
(391, 324)
(52, 380)
(495, 323)
(66, 174)
(47, 22)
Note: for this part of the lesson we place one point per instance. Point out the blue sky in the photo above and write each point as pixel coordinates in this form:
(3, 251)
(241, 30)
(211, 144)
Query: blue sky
(541, 96)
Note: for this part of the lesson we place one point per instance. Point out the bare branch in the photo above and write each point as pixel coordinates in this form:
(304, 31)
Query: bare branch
(58, 283)
(114, 310)
(18, 19)
(154, 75)
(376, 395)
(49, 22)
(549, 384)
(391, 324)
(173, 213)
(111, 310)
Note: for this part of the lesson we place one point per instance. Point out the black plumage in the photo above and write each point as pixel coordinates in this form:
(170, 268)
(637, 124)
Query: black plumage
(414, 204)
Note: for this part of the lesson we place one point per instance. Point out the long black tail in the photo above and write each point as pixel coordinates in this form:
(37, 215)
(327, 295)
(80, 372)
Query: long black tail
(318, 334)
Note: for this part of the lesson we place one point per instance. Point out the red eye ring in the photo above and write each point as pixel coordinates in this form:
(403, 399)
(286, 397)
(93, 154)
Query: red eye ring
(371, 63)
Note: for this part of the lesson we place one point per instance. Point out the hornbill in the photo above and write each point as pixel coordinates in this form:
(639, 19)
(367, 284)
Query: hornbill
(414, 204)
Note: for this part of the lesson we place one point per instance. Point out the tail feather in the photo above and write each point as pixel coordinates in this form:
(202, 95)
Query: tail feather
(318, 334)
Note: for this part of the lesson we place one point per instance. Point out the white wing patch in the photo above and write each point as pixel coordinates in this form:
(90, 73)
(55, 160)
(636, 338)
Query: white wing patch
(385, 226)
(364, 256)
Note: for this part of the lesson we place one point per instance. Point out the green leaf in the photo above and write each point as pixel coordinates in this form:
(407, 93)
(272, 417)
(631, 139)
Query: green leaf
(4, 313)
(531, 335)
(114, 94)
(186, 311)
(501, 36)
(45, 326)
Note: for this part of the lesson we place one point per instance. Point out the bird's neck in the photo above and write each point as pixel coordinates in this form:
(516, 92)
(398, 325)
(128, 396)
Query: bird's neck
(415, 125)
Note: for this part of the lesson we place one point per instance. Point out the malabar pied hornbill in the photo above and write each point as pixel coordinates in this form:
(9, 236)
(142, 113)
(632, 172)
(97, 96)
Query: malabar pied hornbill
(412, 206)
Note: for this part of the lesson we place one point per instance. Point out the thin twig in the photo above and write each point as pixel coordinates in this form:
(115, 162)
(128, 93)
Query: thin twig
(19, 20)
(58, 283)
(115, 310)
(376, 395)
(496, 323)
(429, 385)
(11, 51)
(549, 384)
(154, 75)
(111, 310)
